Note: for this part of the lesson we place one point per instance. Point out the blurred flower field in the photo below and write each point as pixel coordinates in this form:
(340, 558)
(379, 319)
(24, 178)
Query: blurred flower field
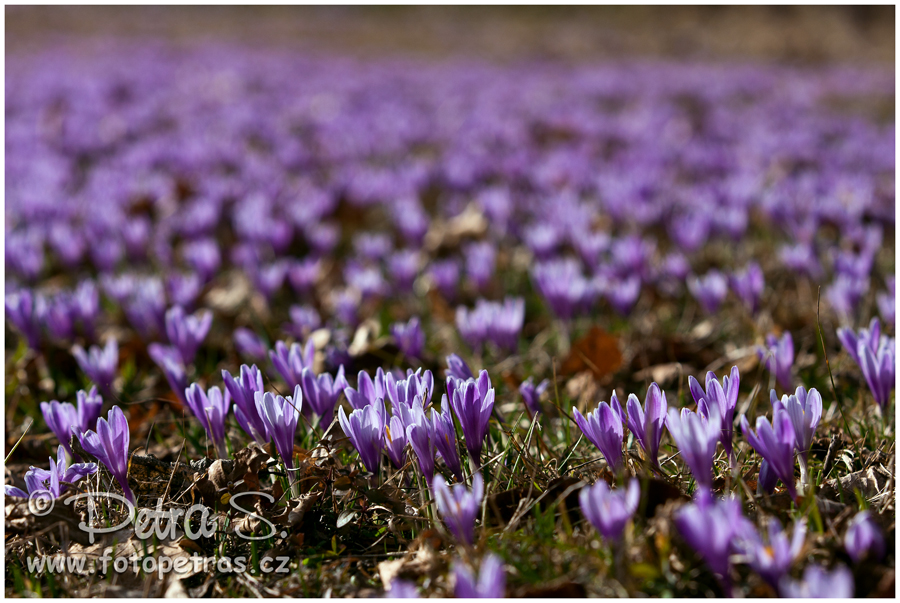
(448, 327)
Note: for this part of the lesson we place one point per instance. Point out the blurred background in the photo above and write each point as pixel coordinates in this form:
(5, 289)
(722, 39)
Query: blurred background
(791, 34)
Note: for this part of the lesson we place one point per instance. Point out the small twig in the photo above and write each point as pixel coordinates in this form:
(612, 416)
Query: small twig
(18, 441)
(174, 467)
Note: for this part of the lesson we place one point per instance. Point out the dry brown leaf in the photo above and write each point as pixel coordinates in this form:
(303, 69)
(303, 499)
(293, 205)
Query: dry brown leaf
(598, 352)
(869, 482)
(409, 567)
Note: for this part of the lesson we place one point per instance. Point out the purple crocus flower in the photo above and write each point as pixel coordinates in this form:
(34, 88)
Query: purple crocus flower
(542, 238)
(136, 235)
(409, 337)
(243, 392)
(689, 230)
(21, 312)
(696, 436)
(368, 390)
(604, 427)
(248, 344)
(563, 286)
(445, 438)
(168, 359)
(874, 353)
(184, 289)
(346, 305)
(472, 402)
(86, 306)
(203, 256)
(647, 423)
(211, 409)
(56, 315)
(366, 429)
(53, 481)
(323, 392)
(106, 252)
(844, 294)
(323, 238)
(869, 337)
(710, 290)
(401, 589)
(531, 394)
(805, 411)
(499, 323)
(473, 325)
(819, 583)
(371, 245)
(459, 507)
(99, 364)
(481, 261)
(421, 436)
(590, 245)
(109, 444)
(269, 278)
(303, 275)
(748, 285)
(187, 332)
(609, 510)
(403, 266)
(491, 583)
(445, 275)
(146, 306)
(709, 527)
(367, 280)
(506, 323)
(458, 369)
(89, 405)
(65, 420)
(304, 319)
(404, 391)
(280, 415)
(779, 358)
(631, 255)
(25, 252)
(775, 443)
(395, 435)
(67, 244)
(290, 364)
(887, 305)
(864, 539)
(411, 220)
(771, 559)
(724, 396)
(672, 274)
(622, 293)
(801, 259)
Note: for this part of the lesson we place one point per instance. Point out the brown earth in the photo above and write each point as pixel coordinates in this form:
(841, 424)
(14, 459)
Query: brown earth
(794, 34)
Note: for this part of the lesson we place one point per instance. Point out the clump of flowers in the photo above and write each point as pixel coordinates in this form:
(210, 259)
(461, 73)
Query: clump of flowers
(604, 427)
(459, 506)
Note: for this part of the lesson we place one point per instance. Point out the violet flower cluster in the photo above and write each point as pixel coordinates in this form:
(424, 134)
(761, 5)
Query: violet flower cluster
(778, 355)
(52, 483)
(490, 583)
(459, 506)
(323, 195)
(609, 510)
(874, 353)
(499, 323)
